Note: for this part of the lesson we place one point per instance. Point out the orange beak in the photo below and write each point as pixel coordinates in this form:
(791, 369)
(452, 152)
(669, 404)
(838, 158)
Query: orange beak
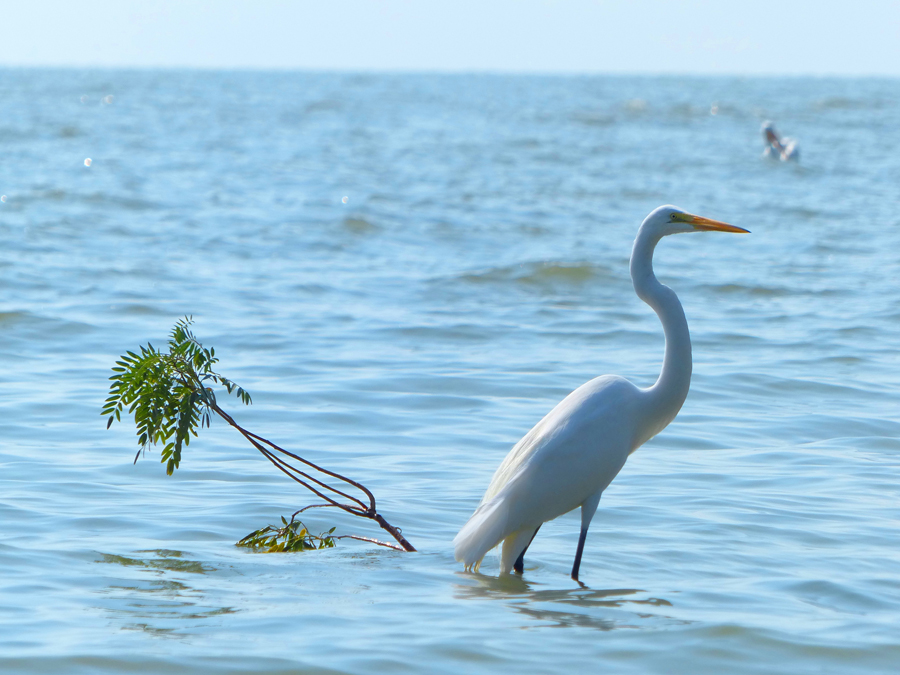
(707, 224)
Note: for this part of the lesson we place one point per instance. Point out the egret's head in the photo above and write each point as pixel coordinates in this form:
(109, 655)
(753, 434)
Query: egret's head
(669, 219)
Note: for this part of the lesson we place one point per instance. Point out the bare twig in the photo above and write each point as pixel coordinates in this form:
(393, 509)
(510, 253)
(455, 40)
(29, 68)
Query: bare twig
(371, 541)
(268, 450)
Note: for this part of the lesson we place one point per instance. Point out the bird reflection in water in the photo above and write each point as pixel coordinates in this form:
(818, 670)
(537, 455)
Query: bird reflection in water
(599, 609)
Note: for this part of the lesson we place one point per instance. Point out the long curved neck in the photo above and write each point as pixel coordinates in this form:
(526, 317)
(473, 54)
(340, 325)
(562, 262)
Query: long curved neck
(665, 398)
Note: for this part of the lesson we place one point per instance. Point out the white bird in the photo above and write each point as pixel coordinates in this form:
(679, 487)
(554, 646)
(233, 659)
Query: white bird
(785, 149)
(569, 458)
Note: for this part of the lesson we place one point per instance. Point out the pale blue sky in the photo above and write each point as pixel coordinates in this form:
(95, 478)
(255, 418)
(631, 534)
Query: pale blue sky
(573, 36)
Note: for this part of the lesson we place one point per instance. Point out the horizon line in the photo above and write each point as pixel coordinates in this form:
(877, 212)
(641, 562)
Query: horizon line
(445, 71)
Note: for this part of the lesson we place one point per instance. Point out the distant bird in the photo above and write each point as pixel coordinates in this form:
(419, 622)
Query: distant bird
(783, 149)
(571, 455)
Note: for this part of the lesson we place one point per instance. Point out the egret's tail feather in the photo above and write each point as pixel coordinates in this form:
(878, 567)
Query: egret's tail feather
(485, 529)
(513, 545)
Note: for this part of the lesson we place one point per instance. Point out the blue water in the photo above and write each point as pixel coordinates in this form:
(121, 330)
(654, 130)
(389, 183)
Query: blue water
(476, 274)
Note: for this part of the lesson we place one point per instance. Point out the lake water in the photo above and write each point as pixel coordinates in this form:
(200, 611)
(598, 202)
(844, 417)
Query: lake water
(476, 274)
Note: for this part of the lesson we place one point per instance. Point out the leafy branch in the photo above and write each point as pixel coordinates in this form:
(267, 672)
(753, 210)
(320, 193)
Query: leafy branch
(288, 538)
(295, 536)
(171, 396)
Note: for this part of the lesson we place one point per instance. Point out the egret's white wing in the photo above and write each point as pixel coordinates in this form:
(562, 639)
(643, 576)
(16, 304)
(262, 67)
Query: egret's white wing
(589, 400)
(578, 448)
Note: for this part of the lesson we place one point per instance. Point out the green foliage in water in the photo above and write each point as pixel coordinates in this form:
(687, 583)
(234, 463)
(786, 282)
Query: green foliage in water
(169, 394)
(292, 536)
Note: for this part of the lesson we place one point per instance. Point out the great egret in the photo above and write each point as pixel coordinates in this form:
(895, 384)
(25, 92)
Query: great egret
(571, 455)
(785, 149)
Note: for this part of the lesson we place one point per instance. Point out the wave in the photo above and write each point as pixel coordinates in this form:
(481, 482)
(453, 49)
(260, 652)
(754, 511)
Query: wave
(542, 273)
(762, 291)
(359, 225)
(845, 103)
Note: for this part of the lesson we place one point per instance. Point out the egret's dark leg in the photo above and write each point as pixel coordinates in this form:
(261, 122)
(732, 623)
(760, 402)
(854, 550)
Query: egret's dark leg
(519, 565)
(578, 553)
(588, 508)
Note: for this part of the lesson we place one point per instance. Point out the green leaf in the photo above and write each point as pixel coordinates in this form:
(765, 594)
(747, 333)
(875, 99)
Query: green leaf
(165, 392)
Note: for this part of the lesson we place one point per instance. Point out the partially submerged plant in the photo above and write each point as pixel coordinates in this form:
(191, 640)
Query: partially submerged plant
(171, 397)
(293, 536)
